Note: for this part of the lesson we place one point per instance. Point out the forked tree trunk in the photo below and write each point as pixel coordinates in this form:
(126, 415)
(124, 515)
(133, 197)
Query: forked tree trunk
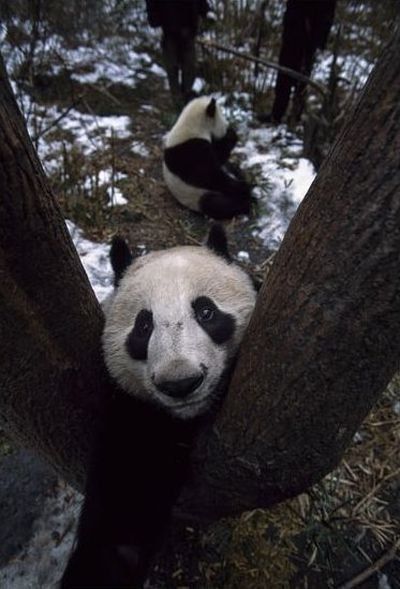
(323, 342)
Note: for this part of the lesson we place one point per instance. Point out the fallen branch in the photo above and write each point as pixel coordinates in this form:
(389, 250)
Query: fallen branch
(264, 62)
(373, 568)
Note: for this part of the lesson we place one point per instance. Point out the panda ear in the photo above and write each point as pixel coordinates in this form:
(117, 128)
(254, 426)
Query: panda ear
(120, 257)
(217, 241)
(211, 108)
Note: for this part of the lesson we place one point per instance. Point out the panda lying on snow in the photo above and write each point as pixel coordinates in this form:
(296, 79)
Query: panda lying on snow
(173, 327)
(196, 156)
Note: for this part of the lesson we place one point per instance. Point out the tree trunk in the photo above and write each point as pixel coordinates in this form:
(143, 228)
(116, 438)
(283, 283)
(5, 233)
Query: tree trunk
(324, 339)
(321, 346)
(51, 370)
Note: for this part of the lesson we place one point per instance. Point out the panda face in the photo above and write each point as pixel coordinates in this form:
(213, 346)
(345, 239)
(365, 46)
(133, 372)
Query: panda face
(174, 325)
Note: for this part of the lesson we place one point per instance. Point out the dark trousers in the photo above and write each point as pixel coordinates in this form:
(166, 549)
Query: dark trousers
(299, 57)
(180, 62)
(306, 26)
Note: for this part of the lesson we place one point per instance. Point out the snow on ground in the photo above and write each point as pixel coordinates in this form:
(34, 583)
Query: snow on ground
(91, 134)
(273, 157)
(40, 564)
(116, 197)
(102, 64)
(112, 61)
(283, 177)
(140, 148)
(107, 177)
(90, 130)
(95, 260)
(354, 70)
(383, 581)
(283, 181)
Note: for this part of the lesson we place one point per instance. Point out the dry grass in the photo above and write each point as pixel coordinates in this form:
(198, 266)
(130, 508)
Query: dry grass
(350, 517)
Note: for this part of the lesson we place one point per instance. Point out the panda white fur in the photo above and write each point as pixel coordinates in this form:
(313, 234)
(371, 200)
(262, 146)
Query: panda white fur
(172, 331)
(196, 155)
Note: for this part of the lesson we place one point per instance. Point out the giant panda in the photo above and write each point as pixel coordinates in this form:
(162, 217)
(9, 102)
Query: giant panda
(196, 154)
(172, 329)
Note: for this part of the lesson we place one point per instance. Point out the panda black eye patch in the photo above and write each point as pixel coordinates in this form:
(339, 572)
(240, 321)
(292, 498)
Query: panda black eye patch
(217, 324)
(138, 339)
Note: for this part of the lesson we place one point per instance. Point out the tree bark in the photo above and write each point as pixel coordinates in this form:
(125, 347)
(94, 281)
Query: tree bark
(324, 339)
(322, 344)
(51, 371)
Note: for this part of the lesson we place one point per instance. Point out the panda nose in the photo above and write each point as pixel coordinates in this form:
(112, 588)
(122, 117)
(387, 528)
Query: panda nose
(178, 389)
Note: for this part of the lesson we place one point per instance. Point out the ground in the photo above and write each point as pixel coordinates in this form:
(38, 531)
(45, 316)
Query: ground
(97, 110)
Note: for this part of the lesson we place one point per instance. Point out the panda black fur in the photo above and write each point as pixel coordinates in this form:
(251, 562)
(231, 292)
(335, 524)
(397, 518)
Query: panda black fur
(195, 167)
(173, 327)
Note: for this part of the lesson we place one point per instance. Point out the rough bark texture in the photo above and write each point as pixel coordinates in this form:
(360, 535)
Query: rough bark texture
(51, 371)
(322, 345)
(324, 339)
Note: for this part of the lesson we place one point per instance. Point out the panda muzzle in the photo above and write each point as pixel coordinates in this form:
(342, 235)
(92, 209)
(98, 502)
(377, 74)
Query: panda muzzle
(178, 389)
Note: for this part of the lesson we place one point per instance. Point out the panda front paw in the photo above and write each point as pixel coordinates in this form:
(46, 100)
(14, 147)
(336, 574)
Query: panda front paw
(240, 191)
(231, 138)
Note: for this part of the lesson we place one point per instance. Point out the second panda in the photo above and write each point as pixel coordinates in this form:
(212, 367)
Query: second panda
(196, 154)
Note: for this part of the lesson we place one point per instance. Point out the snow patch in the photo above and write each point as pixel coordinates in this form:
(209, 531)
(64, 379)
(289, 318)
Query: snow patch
(198, 85)
(243, 256)
(140, 148)
(41, 563)
(383, 582)
(95, 260)
(90, 130)
(116, 197)
(282, 176)
(157, 70)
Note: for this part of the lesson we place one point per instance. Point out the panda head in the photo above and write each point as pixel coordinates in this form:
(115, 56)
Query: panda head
(202, 118)
(174, 323)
